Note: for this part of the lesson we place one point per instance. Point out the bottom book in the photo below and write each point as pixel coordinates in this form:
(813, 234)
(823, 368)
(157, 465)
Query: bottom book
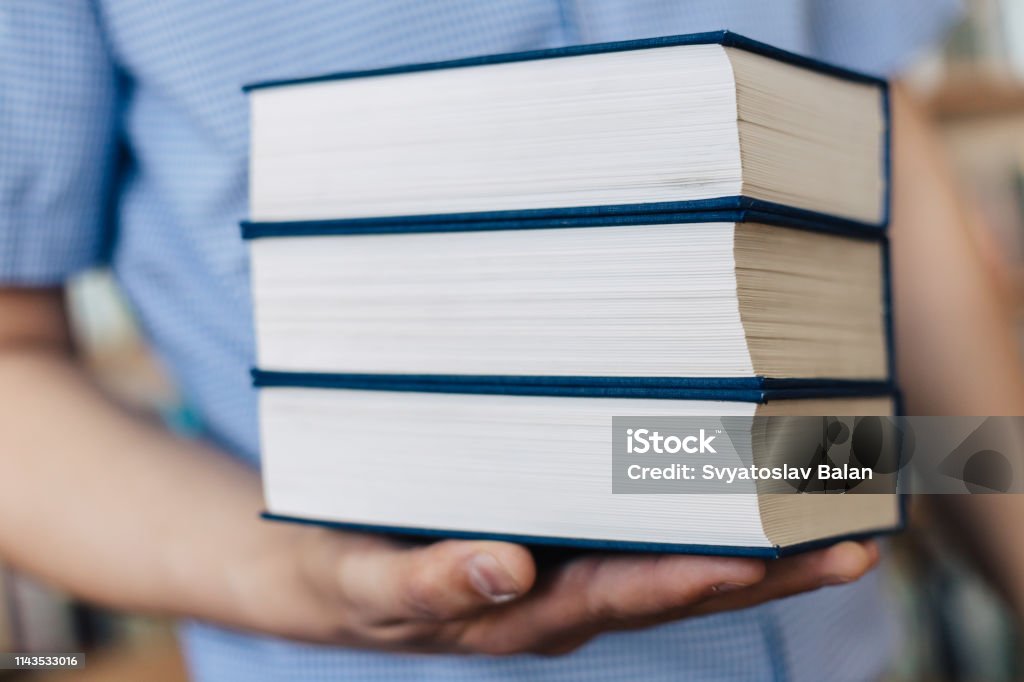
(540, 469)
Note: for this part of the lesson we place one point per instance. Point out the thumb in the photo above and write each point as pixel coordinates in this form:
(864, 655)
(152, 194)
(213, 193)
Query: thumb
(445, 580)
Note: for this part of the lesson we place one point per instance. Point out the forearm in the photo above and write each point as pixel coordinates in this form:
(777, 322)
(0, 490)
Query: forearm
(116, 509)
(957, 349)
(956, 334)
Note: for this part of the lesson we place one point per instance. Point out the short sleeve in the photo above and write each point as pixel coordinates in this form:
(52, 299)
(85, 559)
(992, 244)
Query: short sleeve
(57, 139)
(879, 36)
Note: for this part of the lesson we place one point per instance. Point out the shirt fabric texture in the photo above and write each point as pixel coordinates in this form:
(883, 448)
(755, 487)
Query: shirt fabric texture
(124, 140)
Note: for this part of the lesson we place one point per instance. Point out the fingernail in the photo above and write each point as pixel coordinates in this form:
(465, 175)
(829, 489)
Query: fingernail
(728, 587)
(492, 579)
(836, 580)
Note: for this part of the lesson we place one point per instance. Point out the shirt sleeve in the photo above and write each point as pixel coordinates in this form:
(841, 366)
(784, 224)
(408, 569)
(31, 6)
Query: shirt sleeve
(879, 36)
(58, 104)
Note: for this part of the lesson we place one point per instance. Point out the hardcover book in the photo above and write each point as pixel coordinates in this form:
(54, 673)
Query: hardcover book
(687, 295)
(695, 122)
(538, 469)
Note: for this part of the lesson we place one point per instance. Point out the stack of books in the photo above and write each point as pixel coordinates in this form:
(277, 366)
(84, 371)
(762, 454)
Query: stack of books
(461, 271)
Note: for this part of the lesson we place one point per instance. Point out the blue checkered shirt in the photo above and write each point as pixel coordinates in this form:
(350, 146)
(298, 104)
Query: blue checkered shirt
(123, 139)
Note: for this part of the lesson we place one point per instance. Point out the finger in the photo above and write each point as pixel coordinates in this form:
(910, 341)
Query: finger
(597, 593)
(446, 580)
(839, 564)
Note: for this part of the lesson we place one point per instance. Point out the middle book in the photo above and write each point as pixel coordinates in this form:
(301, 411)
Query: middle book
(722, 299)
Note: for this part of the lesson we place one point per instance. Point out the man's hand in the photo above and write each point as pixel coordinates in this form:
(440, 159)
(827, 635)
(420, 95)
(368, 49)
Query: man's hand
(471, 597)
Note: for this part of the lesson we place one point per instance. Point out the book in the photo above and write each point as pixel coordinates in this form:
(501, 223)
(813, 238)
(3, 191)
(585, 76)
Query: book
(696, 122)
(533, 469)
(612, 297)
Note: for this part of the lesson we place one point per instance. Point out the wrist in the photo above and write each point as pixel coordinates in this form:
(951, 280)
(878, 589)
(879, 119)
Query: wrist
(285, 585)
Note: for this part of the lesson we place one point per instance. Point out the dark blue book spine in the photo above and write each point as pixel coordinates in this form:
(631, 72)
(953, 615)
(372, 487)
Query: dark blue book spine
(539, 540)
(725, 209)
(731, 389)
(587, 544)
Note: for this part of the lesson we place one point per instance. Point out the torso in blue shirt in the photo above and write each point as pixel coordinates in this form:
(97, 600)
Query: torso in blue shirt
(180, 191)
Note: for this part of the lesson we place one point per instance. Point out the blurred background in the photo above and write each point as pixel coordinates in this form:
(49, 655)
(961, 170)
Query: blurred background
(958, 628)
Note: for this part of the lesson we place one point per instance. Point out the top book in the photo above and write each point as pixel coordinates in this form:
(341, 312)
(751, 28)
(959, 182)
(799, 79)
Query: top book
(695, 122)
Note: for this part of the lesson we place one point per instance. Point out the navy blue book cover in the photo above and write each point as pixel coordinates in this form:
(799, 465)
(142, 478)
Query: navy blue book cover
(588, 544)
(733, 389)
